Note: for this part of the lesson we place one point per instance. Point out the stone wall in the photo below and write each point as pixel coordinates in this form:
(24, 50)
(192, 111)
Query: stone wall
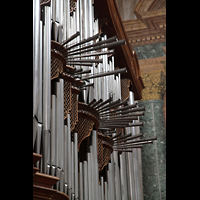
(154, 155)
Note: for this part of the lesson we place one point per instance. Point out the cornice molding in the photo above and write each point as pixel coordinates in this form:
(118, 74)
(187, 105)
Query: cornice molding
(150, 27)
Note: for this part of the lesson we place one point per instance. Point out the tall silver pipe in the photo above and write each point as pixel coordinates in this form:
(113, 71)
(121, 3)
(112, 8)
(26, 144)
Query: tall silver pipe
(46, 69)
(57, 4)
(117, 178)
(66, 158)
(81, 181)
(85, 180)
(38, 141)
(61, 124)
(40, 77)
(64, 20)
(36, 51)
(89, 176)
(102, 188)
(69, 155)
(58, 124)
(108, 183)
(67, 18)
(106, 191)
(72, 164)
(105, 60)
(34, 130)
(96, 171)
(92, 172)
(90, 20)
(123, 176)
(85, 18)
(76, 164)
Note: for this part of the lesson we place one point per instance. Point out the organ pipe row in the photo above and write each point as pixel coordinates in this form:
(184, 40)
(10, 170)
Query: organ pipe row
(66, 34)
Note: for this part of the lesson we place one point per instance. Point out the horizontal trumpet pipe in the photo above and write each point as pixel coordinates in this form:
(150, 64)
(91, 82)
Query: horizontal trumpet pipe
(83, 72)
(125, 145)
(76, 71)
(83, 41)
(91, 102)
(122, 137)
(119, 104)
(87, 61)
(92, 54)
(122, 109)
(96, 103)
(123, 112)
(119, 134)
(121, 126)
(71, 38)
(103, 103)
(109, 45)
(95, 44)
(130, 147)
(141, 140)
(123, 150)
(132, 115)
(123, 70)
(110, 105)
(128, 138)
(82, 64)
(88, 85)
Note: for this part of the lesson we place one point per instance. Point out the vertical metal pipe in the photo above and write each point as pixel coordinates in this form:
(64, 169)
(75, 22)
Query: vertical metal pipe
(66, 158)
(69, 155)
(40, 77)
(99, 197)
(113, 194)
(96, 171)
(61, 124)
(106, 190)
(64, 20)
(81, 181)
(109, 180)
(46, 69)
(34, 130)
(81, 21)
(85, 18)
(117, 178)
(76, 164)
(123, 176)
(90, 23)
(62, 175)
(105, 63)
(57, 136)
(102, 188)
(38, 141)
(67, 18)
(89, 176)
(72, 164)
(92, 172)
(36, 51)
(48, 152)
(85, 179)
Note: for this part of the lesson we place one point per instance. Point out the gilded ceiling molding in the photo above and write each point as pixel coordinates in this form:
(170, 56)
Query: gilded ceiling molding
(150, 25)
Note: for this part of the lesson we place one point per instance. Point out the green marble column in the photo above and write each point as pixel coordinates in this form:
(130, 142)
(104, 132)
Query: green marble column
(154, 155)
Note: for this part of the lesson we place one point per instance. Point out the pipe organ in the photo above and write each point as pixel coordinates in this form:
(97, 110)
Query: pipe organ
(85, 118)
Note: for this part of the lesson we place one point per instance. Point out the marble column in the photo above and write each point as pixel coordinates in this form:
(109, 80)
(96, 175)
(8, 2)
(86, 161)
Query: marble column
(154, 155)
